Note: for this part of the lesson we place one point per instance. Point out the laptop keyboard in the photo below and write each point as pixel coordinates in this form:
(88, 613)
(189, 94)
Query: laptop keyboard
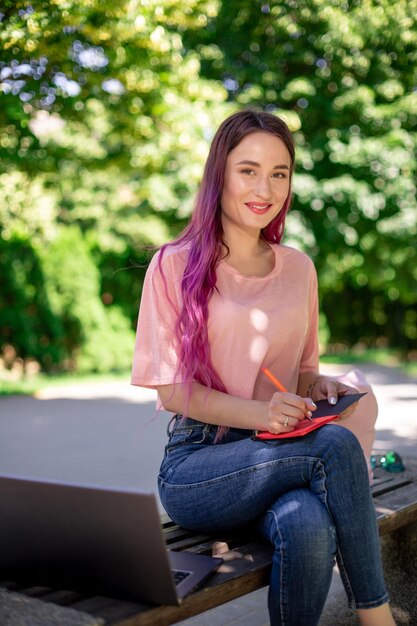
(180, 575)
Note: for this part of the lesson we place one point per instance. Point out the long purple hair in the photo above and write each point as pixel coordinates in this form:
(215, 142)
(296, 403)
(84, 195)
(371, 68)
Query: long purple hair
(204, 237)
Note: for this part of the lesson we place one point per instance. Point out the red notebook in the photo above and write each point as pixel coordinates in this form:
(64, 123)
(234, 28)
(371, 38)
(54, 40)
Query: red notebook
(324, 414)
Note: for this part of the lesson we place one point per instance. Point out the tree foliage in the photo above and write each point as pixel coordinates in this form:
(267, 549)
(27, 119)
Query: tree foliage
(106, 113)
(344, 75)
(101, 109)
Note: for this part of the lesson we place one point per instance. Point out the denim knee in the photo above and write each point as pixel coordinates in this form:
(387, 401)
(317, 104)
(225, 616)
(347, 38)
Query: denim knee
(344, 445)
(299, 523)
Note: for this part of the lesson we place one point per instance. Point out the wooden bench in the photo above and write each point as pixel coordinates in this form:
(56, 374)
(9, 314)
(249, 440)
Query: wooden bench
(246, 567)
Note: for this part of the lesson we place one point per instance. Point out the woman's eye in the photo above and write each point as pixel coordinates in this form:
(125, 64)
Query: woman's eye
(251, 172)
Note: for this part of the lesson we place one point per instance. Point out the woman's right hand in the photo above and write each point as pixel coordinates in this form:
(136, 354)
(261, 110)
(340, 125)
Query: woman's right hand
(285, 410)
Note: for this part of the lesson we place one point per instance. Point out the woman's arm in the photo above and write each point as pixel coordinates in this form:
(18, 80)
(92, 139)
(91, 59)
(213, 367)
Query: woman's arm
(215, 407)
(318, 387)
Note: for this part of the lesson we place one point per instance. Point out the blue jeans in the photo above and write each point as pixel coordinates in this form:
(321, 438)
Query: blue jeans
(309, 496)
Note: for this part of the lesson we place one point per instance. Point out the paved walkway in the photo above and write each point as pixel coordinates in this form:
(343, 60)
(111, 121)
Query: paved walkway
(111, 435)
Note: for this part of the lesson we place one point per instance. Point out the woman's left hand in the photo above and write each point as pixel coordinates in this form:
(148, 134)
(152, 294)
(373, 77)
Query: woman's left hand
(324, 387)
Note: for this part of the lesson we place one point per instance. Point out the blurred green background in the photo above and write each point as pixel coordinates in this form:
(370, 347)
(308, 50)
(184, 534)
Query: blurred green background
(106, 113)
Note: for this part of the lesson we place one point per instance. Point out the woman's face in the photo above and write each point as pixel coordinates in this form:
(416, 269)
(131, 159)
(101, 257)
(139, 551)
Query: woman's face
(256, 182)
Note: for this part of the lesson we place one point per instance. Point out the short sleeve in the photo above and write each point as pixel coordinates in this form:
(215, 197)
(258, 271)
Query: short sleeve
(155, 358)
(310, 356)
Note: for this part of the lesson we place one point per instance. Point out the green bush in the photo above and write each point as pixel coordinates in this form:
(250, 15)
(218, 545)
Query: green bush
(51, 308)
(97, 338)
(27, 321)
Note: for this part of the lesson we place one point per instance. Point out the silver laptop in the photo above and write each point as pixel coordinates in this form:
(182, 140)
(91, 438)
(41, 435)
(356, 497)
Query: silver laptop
(92, 539)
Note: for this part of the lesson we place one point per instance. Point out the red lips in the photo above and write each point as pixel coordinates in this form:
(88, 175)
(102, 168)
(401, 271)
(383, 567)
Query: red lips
(260, 208)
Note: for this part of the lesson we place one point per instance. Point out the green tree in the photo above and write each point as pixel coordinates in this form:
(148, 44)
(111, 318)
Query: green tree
(101, 106)
(106, 113)
(343, 74)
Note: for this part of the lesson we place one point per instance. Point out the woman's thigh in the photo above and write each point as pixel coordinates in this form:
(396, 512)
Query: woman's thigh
(225, 485)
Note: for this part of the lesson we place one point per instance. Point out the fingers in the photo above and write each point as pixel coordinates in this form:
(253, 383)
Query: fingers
(287, 424)
(345, 390)
(332, 393)
(332, 389)
(289, 404)
(286, 410)
(311, 406)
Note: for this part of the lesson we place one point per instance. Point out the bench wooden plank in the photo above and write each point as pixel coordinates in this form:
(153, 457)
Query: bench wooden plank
(199, 602)
(395, 497)
(396, 509)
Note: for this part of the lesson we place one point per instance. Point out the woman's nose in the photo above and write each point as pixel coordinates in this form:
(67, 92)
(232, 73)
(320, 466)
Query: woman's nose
(263, 187)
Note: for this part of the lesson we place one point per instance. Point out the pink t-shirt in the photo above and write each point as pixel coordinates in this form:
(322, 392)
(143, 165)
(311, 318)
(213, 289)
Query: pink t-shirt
(269, 321)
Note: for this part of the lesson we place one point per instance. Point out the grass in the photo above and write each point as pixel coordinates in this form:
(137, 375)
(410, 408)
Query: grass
(31, 384)
(370, 355)
(377, 355)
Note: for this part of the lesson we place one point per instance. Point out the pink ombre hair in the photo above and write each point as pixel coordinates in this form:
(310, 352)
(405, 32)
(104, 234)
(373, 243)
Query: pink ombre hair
(203, 238)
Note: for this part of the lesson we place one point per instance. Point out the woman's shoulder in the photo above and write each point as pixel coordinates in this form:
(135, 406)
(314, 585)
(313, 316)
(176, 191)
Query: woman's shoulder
(172, 255)
(293, 255)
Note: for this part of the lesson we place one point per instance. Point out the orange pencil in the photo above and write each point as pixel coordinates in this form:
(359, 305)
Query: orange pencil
(278, 384)
(273, 379)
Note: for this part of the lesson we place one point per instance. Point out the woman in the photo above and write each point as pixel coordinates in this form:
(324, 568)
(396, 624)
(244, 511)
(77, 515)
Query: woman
(219, 303)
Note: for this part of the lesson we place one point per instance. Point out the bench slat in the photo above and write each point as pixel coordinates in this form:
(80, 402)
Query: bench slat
(396, 509)
(197, 604)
